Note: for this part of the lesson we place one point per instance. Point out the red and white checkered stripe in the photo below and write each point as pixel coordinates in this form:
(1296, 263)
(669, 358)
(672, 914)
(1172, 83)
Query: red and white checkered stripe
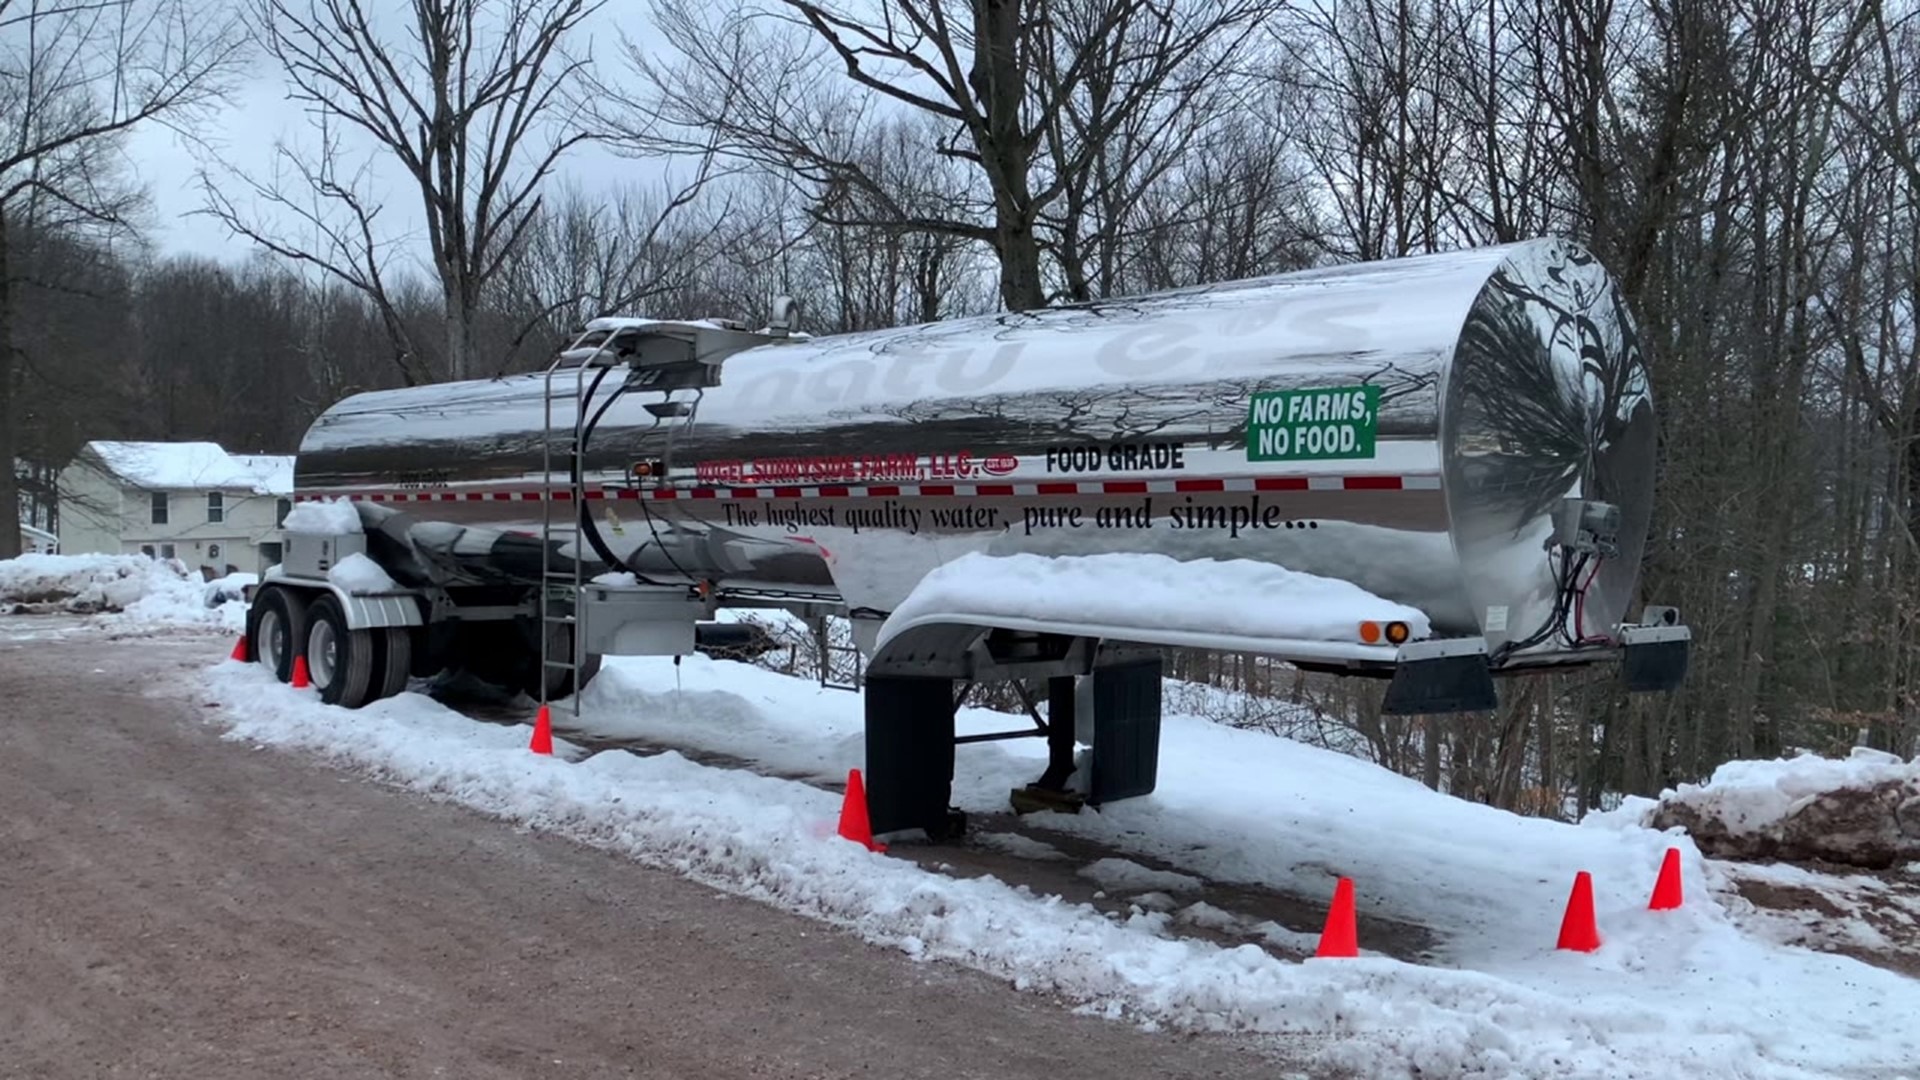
(957, 490)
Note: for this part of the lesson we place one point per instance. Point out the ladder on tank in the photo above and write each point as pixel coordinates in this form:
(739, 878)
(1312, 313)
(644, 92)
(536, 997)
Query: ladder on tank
(561, 612)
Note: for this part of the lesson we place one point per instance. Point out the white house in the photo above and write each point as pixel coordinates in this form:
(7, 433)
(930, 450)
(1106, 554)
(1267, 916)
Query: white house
(189, 501)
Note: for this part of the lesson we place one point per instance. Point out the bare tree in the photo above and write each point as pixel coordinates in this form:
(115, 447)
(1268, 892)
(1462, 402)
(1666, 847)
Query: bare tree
(1133, 91)
(467, 100)
(1867, 72)
(1029, 93)
(74, 79)
(1240, 204)
(582, 257)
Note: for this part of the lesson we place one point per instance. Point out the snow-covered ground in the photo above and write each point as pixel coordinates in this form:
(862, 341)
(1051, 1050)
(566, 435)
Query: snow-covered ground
(1718, 988)
(1696, 992)
(128, 593)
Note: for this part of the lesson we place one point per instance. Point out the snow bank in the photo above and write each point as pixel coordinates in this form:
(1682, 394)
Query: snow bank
(176, 603)
(328, 517)
(1671, 993)
(358, 574)
(80, 583)
(135, 591)
(1750, 796)
(1203, 596)
(231, 587)
(1863, 809)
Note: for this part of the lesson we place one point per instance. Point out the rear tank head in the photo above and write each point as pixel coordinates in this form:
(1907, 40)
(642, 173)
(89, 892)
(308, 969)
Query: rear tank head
(1547, 441)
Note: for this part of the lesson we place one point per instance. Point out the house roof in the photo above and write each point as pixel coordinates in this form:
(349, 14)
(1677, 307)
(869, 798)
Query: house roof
(161, 466)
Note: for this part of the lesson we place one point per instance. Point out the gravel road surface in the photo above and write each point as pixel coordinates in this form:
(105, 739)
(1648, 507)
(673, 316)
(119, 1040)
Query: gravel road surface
(180, 906)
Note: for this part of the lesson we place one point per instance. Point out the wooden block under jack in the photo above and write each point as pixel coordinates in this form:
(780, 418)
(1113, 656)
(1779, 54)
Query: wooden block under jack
(1033, 799)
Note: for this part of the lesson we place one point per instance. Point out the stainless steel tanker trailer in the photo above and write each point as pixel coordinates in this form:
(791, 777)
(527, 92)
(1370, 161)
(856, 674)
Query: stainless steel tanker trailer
(1464, 443)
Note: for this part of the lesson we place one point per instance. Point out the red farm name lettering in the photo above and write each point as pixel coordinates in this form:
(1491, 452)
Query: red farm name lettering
(840, 469)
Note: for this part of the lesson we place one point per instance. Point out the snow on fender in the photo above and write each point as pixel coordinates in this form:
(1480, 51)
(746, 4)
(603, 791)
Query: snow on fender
(1153, 598)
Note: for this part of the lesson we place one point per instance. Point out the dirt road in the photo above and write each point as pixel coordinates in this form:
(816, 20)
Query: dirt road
(180, 906)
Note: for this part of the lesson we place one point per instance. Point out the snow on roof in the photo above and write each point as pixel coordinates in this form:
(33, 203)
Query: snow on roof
(274, 470)
(160, 466)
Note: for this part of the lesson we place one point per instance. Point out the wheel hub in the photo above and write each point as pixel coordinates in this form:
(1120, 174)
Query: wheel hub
(323, 653)
(273, 639)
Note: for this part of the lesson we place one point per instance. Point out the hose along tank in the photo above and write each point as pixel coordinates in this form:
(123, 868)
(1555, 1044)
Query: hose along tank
(1411, 426)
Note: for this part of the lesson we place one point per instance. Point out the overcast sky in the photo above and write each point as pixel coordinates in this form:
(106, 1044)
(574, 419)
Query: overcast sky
(245, 132)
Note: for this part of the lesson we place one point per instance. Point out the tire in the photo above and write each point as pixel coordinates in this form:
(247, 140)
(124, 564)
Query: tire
(393, 648)
(339, 661)
(559, 681)
(276, 628)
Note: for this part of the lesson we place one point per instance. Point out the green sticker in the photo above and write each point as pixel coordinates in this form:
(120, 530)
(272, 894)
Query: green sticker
(1325, 422)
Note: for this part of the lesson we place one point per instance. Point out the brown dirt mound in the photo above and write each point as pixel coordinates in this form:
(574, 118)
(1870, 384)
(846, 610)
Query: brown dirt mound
(1875, 827)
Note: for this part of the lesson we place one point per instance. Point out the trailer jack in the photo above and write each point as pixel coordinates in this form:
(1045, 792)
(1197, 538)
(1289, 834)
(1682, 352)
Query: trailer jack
(1050, 792)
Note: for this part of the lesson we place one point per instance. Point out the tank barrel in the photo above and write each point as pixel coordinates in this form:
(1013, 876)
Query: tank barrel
(1468, 435)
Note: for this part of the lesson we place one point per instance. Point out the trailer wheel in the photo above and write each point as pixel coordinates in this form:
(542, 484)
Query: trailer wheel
(559, 681)
(393, 647)
(279, 627)
(339, 661)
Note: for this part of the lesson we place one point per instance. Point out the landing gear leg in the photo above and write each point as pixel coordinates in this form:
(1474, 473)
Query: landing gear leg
(1050, 791)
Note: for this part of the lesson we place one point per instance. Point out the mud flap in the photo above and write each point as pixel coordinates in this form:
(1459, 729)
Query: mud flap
(1446, 676)
(1653, 659)
(909, 775)
(1126, 731)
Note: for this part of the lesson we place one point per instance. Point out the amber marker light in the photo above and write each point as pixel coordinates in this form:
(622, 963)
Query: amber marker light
(1370, 632)
(1398, 632)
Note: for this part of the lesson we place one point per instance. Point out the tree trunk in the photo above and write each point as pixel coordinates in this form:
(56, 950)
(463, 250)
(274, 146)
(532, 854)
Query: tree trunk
(459, 335)
(1887, 736)
(999, 84)
(1020, 286)
(9, 368)
(1430, 752)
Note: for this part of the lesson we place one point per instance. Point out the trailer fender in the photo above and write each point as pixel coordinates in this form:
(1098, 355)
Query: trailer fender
(364, 611)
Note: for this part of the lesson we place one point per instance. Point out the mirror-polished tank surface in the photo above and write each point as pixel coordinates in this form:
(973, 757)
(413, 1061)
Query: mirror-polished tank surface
(1408, 426)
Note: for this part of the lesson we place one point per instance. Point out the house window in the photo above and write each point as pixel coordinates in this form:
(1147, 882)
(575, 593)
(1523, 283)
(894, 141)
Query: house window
(281, 510)
(147, 550)
(166, 551)
(216, 507)
(159, 508)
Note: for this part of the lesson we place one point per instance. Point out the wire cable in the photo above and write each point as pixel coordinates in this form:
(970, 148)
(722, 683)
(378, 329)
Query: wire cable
(587, 525)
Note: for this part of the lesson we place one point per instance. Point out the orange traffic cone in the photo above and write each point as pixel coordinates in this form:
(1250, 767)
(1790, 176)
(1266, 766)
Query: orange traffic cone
(240, 651)
(853, 814)
(1340, 937)
(300, 680)
(1578, 930)
(542, 732)
(1666, 890)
